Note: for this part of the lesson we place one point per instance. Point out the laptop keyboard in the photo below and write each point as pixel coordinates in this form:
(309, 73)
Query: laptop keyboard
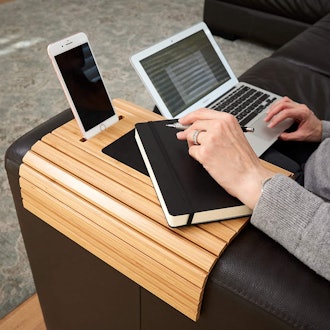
(244, 103)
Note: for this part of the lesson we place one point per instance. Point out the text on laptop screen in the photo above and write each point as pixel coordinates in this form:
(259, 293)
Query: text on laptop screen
(185, 72)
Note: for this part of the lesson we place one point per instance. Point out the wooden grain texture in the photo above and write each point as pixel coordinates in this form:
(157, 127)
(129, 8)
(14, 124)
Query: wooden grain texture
(112, 211)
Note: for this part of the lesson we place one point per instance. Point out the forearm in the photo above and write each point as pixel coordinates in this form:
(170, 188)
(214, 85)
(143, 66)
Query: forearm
(298, 220)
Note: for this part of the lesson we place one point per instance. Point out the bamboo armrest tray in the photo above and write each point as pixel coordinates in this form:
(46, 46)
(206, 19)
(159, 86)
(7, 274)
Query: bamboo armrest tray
(112, 210)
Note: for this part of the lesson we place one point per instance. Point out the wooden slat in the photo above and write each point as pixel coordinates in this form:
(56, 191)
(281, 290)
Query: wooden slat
(112, 211)
(104, 162)
(114, 225)
(132, 217)
(55, 150)
(138, 267)
(62, 216)
(116, 173)
(219, 230)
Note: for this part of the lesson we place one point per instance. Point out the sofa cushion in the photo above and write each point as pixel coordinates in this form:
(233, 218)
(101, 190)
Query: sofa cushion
(300, 69)
(258, 270)
(310, 49)
(308, 11)
(273, 22)
(256, 284)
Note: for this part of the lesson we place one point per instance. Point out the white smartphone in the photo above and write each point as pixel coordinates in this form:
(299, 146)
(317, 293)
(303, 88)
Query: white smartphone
(81, 80)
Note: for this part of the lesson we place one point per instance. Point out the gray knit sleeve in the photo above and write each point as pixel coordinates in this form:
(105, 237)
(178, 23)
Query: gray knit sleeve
(325, 129)
(298, 220)
(317, 171)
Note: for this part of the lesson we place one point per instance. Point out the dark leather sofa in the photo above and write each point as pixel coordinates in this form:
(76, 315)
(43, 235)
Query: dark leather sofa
(271, 21)
(256, 284)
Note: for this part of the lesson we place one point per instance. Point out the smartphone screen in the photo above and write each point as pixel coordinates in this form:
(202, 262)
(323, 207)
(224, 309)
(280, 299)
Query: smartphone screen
(85, 85)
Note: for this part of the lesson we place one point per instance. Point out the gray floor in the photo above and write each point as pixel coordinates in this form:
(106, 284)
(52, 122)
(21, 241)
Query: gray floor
(30, 92)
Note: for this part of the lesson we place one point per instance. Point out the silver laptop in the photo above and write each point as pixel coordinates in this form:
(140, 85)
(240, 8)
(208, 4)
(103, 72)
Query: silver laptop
(188, 71)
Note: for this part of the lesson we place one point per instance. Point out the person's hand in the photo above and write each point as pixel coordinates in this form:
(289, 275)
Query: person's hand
(309, 126)
(223, 150)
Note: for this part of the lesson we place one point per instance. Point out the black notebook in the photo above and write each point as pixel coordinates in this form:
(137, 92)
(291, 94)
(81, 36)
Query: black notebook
(187, 193)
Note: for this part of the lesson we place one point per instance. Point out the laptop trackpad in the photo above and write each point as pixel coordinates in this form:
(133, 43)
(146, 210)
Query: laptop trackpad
(263, 136)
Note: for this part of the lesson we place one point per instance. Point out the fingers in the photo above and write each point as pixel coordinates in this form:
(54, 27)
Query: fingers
(281, 116)
(205, 120)
(198, 121)
(196, 138)
(279, 111)
(279, 105)
(293, 136)
(286, 108)
(193, 135)
(201, 114)
(309, 126)
(204, 135)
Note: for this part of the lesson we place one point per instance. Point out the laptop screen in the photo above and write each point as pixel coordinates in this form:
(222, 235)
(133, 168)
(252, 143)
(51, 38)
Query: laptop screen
(185, 72)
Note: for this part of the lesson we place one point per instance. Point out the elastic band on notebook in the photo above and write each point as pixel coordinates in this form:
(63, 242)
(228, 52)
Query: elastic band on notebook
(190, 219)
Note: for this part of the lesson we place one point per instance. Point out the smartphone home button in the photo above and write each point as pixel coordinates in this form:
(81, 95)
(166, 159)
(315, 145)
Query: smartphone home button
(102, 127)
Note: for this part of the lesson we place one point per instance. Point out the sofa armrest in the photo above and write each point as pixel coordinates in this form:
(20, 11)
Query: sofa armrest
(255, 284)
(76, 289)
(22, 145)
(18, 149)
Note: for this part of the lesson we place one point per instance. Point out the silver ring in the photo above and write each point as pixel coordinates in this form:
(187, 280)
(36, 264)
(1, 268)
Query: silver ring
(195, 137)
